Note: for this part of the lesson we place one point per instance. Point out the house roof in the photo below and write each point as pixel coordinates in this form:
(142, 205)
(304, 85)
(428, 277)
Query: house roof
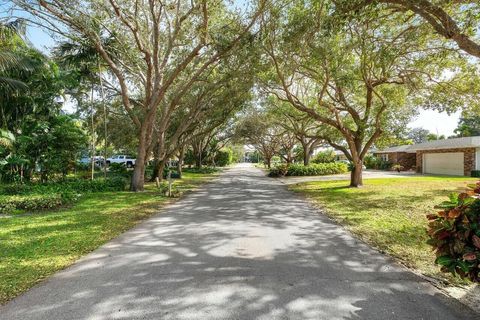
(394, 149)
(455, 143)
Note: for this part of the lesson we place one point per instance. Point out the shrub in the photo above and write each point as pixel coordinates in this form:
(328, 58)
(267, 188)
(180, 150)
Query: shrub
(6, 206)
(372, 162)
(384, 165)
(327, 156)
(454, 233)
(34, 197)
(34, 202)
(224, 157)
(276, 160)
(117, 183)
(397, 167)
(278, 171)
(174, 173)
(202, 170)
(175, 192)
(17, 188)
(319, 169)
(476, 173)
(118, 168)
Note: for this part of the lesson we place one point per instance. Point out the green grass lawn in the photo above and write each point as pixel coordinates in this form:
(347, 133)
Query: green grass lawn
(34, 246)
(389, 213)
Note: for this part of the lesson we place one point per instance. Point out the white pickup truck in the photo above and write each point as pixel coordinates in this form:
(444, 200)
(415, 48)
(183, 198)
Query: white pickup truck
(127, 160)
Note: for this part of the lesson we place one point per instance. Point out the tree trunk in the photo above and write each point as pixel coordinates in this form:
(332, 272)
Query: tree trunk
(158, 167)
(198, 161)
(269, 162)
(180, 162)
(105, 147)
(307, 152)
(92, 162)
(138, 177)
(356, 179)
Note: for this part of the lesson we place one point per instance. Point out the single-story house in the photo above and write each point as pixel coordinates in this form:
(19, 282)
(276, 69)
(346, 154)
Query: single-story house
(458, 156)
(398, 155)
(340, 156)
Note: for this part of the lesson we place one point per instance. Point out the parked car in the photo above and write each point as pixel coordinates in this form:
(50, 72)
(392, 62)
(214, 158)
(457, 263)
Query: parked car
(99, 160)
(127, 160)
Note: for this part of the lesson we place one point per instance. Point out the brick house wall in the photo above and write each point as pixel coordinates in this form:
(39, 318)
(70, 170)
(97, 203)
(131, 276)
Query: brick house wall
(406, 160)
(468, 158)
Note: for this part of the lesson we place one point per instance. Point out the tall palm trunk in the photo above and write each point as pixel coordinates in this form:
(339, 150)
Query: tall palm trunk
(92, 161)
(102, 92)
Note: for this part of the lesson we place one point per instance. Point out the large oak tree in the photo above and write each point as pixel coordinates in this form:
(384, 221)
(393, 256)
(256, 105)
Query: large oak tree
(163, 48)
(352, 76)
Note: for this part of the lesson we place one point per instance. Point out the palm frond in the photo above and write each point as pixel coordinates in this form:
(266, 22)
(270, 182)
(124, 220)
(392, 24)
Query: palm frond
(10, 60)
(6, 138)
(10, 85)
(16, 27)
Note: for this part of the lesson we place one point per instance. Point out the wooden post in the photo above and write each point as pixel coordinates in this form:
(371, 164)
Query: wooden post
(169, 183)
(157, 182)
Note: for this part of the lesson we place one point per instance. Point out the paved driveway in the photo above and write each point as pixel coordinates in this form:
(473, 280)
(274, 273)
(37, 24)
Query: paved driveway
(243, 247)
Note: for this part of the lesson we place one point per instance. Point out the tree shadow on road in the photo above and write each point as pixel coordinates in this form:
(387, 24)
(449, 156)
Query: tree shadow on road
(242, 249)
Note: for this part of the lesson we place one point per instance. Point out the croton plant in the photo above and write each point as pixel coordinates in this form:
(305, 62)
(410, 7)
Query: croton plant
(455, 234)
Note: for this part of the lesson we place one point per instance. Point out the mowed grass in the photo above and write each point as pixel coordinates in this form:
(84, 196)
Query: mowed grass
(34, 246)
(389, 213)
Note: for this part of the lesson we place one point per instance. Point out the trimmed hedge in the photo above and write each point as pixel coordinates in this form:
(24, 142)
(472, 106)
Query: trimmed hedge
(476, 173)
(320, 169)
(71, 185)
(37, 202)
(34, 197)
(202, 170)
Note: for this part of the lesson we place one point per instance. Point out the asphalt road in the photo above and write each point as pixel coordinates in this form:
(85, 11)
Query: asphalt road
(242, 247)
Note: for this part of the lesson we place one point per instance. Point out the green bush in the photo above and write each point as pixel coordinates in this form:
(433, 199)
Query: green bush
(278, 171)
(327, 156)
(224, 157)
(397, 167)
(175, 192)
(35, 202)
(385, 165)
(372, 162)
(202, 170)
(319, 169)
(476, 173)
(117, 183)
(118, 168)
(275, 161)
(454, 233)
(34, 197)
(174, 173)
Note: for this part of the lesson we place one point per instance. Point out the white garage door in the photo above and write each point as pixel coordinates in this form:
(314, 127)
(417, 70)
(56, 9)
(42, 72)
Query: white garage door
(443, 163)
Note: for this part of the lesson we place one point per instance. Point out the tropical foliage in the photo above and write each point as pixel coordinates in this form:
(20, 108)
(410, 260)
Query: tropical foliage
(455, 234)
(317, 169)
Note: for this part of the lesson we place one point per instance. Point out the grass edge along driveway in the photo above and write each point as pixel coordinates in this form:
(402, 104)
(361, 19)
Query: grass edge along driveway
(34, 246)
(389, 213)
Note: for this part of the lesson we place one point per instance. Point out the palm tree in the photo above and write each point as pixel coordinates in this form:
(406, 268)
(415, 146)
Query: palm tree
(85, 59)
(9, 60)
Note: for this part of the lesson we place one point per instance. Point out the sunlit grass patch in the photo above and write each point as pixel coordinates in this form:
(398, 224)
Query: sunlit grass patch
(388, 213)
(35, 245)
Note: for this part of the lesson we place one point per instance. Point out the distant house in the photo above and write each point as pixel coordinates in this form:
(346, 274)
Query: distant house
(458, 157)
(340, 156)
(398, 155)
